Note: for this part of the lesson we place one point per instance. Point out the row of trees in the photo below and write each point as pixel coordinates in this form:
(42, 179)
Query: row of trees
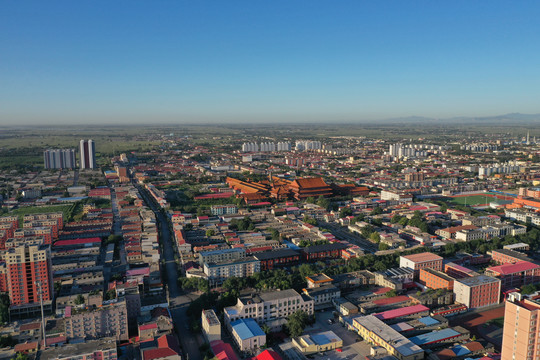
(193, 283)
(417, 221)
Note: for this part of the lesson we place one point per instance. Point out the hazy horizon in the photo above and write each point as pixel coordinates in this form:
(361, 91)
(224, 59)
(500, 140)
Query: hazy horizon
(256, 62)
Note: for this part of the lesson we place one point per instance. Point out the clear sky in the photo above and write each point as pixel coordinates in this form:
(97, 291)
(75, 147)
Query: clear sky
(158, 61)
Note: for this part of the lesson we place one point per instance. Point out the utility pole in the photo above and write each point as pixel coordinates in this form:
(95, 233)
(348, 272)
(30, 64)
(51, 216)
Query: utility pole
(38, 284)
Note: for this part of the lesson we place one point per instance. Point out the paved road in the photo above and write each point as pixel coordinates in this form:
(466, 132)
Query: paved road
(342, 233)
(178, 300)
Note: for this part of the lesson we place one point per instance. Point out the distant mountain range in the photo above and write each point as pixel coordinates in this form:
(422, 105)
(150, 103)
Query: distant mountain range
(507, 119)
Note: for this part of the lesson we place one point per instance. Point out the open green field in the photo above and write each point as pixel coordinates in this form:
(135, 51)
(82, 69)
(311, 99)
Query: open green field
(65, 209)
(472, 200)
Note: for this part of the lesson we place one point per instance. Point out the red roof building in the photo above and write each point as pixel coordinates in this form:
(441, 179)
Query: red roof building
(167, 348)
(403, 312)
(267, 355)
(515, 275)
(223, 350)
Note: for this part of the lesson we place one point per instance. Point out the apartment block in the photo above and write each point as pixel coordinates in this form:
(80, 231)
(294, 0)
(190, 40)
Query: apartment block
(218, 210)
(29, 271)
(521, 328)
(218, 272)
(58, 216)
(505, 256)
(108, 320)
(515, 275)
(434, 279)
(59, 159)
(45, 232)
(271, 308)
(217, 256)
(421, 261)
(102, 349)
(477, 291)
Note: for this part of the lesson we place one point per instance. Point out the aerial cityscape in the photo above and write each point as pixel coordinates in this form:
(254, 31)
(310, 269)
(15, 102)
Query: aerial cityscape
(285, 180)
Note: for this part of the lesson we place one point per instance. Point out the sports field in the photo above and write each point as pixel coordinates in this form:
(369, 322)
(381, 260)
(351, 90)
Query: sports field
(472, 200)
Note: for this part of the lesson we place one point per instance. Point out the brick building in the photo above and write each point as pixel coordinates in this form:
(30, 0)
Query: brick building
(505, 256)
(477, 291)
(277, 258)
(434, 279)
(421, 261)
(515, 275)
(321, 252)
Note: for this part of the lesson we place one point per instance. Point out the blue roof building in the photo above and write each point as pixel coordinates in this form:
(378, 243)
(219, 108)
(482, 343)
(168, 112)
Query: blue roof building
(248, 334)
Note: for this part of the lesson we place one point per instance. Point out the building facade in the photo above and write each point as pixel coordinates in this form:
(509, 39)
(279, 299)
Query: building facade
(29, 272)
(87, 154)
(108, 320)
(477, 291)
(59, 159)
(434, 279)
(247, 334)
(211, 325)
(521, 328)
(421, 261)
(218, 272)
(271, 308)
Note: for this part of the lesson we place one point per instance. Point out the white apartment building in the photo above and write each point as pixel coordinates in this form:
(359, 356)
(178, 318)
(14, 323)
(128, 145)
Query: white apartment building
(270, 308)
(223, 255)
(218, 272)
(523, 216)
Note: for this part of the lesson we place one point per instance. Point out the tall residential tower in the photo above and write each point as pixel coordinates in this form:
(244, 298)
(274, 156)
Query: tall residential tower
(29, 271)
(88, 154)
(521, 328)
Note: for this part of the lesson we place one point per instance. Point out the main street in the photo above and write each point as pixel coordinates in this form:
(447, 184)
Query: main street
(342, 233)
(178, 300)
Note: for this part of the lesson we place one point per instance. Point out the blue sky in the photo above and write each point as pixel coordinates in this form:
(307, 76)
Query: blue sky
(254, 61)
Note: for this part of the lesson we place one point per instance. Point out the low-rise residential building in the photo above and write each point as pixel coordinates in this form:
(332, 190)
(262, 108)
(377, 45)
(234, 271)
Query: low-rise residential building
(457, 271)
(218, 210)
(477, 291)
(247, 334)
(517, 247)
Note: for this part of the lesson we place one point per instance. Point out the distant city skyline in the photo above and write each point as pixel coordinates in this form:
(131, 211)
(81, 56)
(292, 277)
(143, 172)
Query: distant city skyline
(249, 61)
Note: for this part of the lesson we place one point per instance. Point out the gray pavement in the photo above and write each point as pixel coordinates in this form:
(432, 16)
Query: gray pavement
(178, 300)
